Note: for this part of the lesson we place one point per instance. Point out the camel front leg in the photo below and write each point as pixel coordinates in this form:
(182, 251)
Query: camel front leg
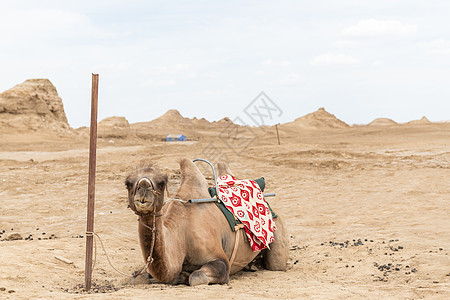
(216, 271)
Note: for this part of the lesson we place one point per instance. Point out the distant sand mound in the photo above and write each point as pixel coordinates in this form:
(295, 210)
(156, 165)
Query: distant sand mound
(423, 120)
(201, 122)
(113, 127)
(224, 121)
(319, 119)
(172, 118)
(32, 105)
(382, 122)
(172, 122)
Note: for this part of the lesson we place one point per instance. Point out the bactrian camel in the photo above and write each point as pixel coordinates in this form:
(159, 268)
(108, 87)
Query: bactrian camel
(193, 241)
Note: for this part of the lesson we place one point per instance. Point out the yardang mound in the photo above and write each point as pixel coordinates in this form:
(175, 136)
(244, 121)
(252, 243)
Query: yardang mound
(34, 96)
(113, 127)
(32, 105)
(319, 119)
(382, 122)
(171, 118)
(172, 122)
(424, 120)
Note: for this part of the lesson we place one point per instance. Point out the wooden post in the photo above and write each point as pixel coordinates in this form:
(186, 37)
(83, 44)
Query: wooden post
(91, 184)
(278, 136)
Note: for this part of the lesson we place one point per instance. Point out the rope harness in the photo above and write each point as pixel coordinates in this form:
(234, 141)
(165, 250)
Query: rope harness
(152, 228)
(236, 242)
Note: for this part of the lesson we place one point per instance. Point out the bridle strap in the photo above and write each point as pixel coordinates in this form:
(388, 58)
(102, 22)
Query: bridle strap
(146, 179)
(153, 190)
(153, 229)
(152, 245)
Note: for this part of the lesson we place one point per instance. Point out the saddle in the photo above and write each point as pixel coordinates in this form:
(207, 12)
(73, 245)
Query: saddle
(233, 221)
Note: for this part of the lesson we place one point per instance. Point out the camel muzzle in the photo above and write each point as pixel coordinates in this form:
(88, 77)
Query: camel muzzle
(143, 204)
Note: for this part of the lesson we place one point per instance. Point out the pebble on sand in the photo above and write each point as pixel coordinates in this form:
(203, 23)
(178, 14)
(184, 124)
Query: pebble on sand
(64, 260)
(14, 237)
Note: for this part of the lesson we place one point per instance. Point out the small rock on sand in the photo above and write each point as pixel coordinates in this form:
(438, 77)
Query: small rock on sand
(14, 237)
(64, 260)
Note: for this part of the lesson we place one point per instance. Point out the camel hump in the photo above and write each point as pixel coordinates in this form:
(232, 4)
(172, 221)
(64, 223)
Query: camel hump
(193, 183)
(223, 169)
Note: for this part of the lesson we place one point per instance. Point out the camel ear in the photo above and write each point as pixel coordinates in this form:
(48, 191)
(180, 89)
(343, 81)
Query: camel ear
(128, 183)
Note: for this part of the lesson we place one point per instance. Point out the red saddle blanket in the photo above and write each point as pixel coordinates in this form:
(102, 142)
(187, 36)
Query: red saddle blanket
(245, 200)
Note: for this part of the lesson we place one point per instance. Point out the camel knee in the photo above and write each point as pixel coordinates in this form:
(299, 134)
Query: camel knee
(276, 258)
(217, 271)
(275, 261)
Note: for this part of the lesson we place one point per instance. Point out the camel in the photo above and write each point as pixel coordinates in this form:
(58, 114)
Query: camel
(193, 241)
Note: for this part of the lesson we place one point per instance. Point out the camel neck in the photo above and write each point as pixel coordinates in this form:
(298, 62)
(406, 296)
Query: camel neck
(147, 220)
(164, 257)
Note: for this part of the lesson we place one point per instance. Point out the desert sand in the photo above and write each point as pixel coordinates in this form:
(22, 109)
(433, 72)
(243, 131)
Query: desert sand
(366, 207)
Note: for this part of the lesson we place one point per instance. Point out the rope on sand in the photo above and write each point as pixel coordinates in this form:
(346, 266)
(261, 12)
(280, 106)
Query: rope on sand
(104, 250)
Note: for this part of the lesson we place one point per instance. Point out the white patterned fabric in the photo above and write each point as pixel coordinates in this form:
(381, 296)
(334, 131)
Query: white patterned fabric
(245, 200)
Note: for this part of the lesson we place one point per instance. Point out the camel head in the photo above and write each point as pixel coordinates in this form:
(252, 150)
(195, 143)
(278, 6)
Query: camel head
(146, 190)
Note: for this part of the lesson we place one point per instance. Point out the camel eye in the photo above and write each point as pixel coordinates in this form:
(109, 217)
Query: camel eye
(161, 184)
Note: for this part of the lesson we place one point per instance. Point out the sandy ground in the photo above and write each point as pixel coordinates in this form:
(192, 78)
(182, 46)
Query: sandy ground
(367, 210)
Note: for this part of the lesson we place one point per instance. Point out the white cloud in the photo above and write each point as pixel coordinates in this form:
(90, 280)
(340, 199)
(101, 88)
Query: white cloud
(263, 73)
(158, 83)
(211, 75)
(331, 59)
(275, 63)
(191, 75)
(48, 24)
(111, 67)
(290, 79)
(377, 28)
(377, 63)
(170, 70)
(439, 46)
(215, 93)
(345, 44)
(178, 71)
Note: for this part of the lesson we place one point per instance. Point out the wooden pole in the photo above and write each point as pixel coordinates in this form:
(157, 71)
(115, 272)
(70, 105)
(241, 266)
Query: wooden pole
(91, 184)
(278, 136)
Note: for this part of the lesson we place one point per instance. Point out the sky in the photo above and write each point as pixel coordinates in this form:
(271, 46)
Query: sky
(359, 59)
